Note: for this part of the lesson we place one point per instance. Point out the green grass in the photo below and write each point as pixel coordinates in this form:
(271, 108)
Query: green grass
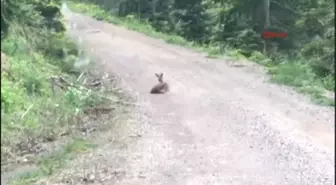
(291, 73)
(30, 112)
(48, 165)
(300, 76)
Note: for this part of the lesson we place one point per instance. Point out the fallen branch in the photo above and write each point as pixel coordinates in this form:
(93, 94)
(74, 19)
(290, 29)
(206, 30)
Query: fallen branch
(55, 81)
(95, 84)
(119, 101)
(23, 115)
(80, 76)
(62, 80)
(99, 109)
(63, 84)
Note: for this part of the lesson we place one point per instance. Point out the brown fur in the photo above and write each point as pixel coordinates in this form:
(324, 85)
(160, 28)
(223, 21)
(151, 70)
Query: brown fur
(161, 87)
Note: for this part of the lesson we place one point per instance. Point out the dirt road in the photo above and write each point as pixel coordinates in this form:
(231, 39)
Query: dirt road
(218, 124)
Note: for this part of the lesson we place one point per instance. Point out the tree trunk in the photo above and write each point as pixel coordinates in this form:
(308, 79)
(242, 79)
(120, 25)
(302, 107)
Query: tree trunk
(153, 7)
(266, 21)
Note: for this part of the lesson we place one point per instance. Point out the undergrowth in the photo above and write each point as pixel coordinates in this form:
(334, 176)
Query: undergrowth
(283, 70)
(35, 111)
(32, 111)
(44, 96)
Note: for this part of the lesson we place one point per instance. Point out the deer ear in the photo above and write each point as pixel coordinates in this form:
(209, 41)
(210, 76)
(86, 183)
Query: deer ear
(161, 74)
(157, 75)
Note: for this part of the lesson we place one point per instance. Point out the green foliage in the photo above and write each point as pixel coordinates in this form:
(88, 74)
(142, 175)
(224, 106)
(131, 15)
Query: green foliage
(29, 110)
(246, 40)
(261, 59)
(31, 13)
(302, 76)
(36, 48)
(80, 98)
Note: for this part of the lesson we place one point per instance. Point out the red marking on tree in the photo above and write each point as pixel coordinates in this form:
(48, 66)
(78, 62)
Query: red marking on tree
(268, 35)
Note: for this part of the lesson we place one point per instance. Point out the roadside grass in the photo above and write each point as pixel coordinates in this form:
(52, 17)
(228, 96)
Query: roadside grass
(34, 109)
(298, 75)
(31, 114)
